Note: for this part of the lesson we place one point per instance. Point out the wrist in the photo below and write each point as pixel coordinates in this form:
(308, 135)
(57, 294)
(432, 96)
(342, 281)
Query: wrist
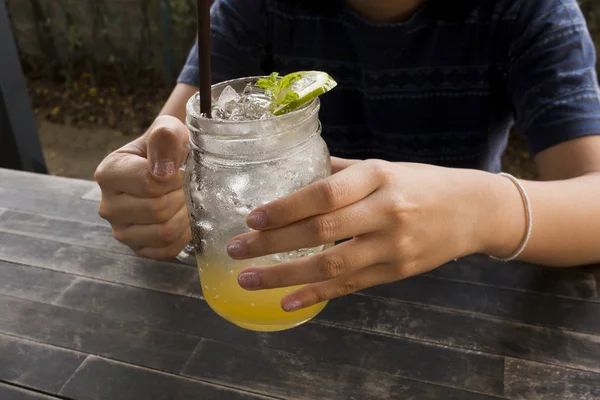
(502, 217)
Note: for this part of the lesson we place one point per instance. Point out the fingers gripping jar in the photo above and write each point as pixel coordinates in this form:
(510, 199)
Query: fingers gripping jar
(234, 167)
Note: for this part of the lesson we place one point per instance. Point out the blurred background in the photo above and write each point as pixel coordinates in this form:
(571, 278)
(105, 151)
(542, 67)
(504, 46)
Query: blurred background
(98, 71)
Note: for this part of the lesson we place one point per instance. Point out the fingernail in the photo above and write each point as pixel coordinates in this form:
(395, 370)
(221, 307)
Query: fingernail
(257, 220)
(249, 280)
(291, 305)
(237, 248)
(164, 169)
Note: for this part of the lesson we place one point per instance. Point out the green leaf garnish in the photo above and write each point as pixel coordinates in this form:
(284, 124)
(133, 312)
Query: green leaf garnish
(270, 83)
(286, 96)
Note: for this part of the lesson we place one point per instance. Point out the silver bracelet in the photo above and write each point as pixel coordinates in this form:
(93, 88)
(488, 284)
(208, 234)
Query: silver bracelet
(527, 205)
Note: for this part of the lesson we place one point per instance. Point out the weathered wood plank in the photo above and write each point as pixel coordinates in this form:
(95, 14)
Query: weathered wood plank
(32, 283)
(50, 202)
(9, 392)
(36, 365)
(528, 308)
(162, 276)
(99, 378)
(279, 374)
(61, 230)
(27, 181)
(91, 333)
(404, 388)
(532, 381)
(396, 356)
(579, 283)
(473, 332)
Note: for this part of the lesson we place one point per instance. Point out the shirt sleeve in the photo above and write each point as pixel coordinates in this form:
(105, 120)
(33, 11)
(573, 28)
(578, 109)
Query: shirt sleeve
(551, 74)
(238, 42)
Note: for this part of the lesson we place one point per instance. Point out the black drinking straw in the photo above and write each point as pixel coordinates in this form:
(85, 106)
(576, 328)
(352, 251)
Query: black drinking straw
(204, 57)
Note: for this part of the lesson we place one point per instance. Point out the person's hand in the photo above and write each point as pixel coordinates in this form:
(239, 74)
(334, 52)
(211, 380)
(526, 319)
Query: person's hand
(404, 219)
(142, 194)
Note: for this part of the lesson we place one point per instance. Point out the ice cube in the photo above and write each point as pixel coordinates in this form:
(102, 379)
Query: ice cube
(251, 105)
(228, 100)
(251, 108)
(251, 89)
(257, 106)
(238, 112)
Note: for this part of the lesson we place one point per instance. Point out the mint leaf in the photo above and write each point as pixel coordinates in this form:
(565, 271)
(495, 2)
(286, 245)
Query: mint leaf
(270, 83)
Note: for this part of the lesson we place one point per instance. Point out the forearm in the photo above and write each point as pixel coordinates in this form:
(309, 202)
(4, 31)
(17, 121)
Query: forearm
(566, 220)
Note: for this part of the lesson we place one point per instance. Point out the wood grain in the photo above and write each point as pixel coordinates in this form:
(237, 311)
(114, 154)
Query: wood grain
(525, 307)
(279, 374)
(472, 332)
(26, 182)
(88, 332)
(578, 283)
(403, 358)
(32, 283)
(36, 365)
(533, 381)
(61, 230)
(82, 318)
(9, 392)
(98, 264)
(50, 202)
(100, 379)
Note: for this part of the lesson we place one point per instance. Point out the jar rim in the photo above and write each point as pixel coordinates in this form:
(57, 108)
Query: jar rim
(193, 111)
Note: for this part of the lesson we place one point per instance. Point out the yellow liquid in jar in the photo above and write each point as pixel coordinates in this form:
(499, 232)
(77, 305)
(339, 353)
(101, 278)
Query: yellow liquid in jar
(254, 310)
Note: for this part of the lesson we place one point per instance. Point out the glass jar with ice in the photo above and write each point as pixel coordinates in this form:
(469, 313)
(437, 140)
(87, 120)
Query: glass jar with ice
(263, 142)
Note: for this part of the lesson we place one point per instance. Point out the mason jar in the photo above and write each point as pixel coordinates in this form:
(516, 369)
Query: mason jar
(232, 168)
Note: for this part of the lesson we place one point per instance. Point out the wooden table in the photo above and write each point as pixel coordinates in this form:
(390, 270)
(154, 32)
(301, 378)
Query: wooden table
(82, 318)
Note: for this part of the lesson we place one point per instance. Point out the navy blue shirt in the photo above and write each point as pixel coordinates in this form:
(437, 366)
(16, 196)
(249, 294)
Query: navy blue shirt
(443, 88)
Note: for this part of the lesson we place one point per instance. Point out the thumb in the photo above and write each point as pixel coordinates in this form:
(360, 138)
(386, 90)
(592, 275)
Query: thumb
(167, 145)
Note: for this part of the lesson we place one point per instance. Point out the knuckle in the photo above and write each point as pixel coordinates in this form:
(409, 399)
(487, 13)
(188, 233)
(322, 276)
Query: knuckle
(398, 208)
(151, 187)
(332, 192)
(404, 249)
(399, 247)
(100, 174)
(403, 269)
(167, 233)
(324, 228)
(162, 129)
(317, 296)
(330, 266)
(266, 241)
(159, 209)
(104, 211)
(119, 235)
(105, 170)
(380, 169)
(346, 287)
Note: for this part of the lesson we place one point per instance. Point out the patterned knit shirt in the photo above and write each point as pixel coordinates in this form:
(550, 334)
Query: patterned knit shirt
(444, 87)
